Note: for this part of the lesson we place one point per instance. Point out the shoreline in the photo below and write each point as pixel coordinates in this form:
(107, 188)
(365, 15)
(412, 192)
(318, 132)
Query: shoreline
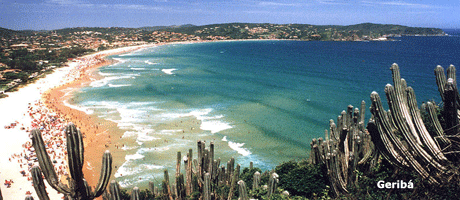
(54, 97)
(25, 110)
(95, 130)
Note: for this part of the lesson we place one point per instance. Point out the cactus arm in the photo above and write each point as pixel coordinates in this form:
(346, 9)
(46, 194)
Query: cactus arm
(432, 116)
(38, 183)
(440, 80)
(399, 103)
(426, 137)
(106, 171)
(256, 180)
(406, 127)
(45, 163)
(75, 153)
(115, 190)
(135, 194)
(207, 187)
(381, 123)
(243, 193)
(272, 184)
(362, 113)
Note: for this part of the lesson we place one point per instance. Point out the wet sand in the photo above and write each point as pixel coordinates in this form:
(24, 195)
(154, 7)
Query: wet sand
(99, 134)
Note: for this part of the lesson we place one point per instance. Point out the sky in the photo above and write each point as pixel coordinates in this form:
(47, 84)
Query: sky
(57, 14)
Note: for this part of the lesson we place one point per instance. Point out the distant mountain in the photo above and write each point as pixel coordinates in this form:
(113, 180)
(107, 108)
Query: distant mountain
(6, 33)
(357, 32)
(103, 30)
(364, 31)
(155, 28)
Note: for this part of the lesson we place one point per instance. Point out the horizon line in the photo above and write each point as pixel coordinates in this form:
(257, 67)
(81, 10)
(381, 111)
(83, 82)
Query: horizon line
(222, 23)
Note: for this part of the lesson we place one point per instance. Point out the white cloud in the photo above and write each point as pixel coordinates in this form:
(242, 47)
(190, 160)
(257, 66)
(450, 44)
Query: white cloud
(134, 7)
(63, 2)
(269, 3)
(330, 2)
(398, 3)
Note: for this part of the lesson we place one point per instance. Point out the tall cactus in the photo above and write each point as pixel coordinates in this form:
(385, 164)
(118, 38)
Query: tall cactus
(135, 194)
(243, 192)
(207, 187)
(272, 184)
(78, 188)
(256, 180)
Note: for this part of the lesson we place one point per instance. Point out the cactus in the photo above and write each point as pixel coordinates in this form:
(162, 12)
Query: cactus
(166, 186)
(135, 194)
(28, 197)
(78, 188)
(256, 180)
(272, 184)
(399, 135)
(207, 187)
(346, 146)
(243, 193)
(152, 188)
(39, 185)
(114, 188)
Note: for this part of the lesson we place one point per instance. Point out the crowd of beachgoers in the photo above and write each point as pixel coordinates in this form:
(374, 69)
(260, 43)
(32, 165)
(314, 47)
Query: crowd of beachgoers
(52, 126)
(43, 115)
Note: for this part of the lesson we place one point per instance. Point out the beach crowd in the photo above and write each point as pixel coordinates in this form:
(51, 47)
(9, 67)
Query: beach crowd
(52, 126)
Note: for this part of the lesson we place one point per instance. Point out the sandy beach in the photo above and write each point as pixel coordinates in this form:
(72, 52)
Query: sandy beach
(41, 105)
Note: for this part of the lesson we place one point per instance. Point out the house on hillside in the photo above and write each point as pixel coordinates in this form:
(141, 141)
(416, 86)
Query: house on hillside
(19, 46)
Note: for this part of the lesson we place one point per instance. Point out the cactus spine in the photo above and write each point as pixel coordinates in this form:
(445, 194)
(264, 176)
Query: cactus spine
(78, 188)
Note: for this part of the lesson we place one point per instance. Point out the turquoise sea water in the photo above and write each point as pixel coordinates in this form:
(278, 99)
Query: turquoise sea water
(259, 101)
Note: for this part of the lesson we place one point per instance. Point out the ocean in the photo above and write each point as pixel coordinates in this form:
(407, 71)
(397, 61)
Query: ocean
(258, 101)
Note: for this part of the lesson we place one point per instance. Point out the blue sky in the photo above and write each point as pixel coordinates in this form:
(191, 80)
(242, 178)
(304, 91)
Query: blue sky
(55, 14)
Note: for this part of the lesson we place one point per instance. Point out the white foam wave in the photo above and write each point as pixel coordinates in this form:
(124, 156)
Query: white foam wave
(106, 80)
(128, 148)
(150, 63)
(125, 170)
(119, 61)
(210, 123)
(106, 74)
(238, 147)
(121, 85)
(144, 137)
(80, 108)
(134, 68)
(168, 71)
(154, 149)
(214, 126)
(169, 132)
(136, 156)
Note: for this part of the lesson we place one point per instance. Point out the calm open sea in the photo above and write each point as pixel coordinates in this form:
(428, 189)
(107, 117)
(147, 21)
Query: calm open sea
(259, 101)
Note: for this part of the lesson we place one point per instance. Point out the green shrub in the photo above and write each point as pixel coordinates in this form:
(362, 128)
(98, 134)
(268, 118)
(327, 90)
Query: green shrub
(302, 178)
(248, 176)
